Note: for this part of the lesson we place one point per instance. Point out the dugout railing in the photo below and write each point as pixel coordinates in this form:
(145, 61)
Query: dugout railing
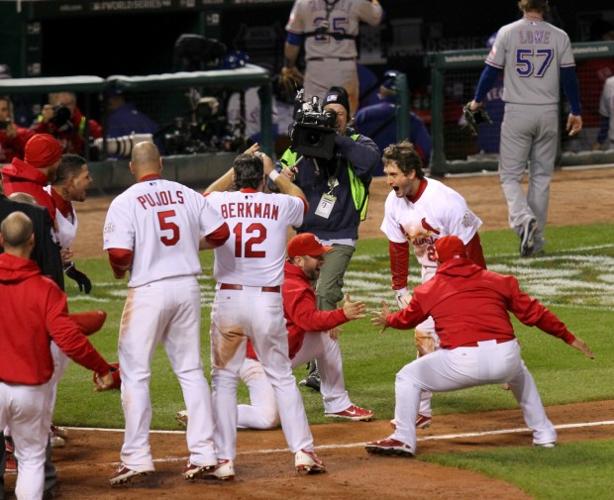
(197, 168)
(454, 76)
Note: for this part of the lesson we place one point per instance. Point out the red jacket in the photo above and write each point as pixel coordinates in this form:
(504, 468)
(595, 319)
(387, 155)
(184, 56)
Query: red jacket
(73, 139)
(301, 310)
(11, 147)
(34, 311)
(470, 304)
(21, 177)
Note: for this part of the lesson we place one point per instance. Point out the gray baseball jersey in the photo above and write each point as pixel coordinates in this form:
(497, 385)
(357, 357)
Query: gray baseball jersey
(531, 54)
(343, 18)
(606, 105)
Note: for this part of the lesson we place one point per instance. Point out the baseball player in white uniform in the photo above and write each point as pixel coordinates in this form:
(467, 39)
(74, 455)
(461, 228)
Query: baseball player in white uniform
(536, 60)
(419, 211)
(606, 110)
(154, 229)
(249, 270)
(70, 184)
(329, 29)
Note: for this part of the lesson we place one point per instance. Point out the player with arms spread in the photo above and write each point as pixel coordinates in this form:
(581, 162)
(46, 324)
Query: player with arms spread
(536, 59)
(154, 229)
(249, 270)
(419, 211)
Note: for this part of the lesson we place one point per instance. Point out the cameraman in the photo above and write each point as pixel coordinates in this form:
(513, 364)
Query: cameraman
(12, 138)
(64, 120)
(337, 192)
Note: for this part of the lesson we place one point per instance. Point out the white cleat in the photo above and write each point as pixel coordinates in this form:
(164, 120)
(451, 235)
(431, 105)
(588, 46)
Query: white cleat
(309, 462)
(224, 471)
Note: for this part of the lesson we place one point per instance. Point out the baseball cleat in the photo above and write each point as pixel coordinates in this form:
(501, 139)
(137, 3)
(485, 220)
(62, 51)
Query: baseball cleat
(354, 413)
(545, 445)
(193, 471)
(527, 237)
(312, 381)
(224, 470)
(59, 431)
(307, 461)
(10, 464)
(422, 422)
(389, 446)
(125, 475)
(57, 441)
(182, 417)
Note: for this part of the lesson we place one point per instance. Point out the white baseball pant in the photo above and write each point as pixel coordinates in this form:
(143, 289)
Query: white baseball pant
(166, 311)
(262, 412)
(60, 363)
(24, 409)
(320, 76)
(257, 314)
(450, 369)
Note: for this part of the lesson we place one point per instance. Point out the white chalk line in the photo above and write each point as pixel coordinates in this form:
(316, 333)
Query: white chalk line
(440, 437)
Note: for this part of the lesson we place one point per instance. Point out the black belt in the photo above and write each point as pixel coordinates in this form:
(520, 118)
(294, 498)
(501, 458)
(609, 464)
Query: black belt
(228, 286)
(333, 58)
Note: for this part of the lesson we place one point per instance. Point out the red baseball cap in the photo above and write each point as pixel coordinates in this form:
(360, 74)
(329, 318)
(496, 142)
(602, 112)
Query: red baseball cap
(449, 247)
(306, 244)
(42, 150)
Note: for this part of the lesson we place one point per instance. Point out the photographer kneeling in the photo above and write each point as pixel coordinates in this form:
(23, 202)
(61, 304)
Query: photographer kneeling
(336, 182)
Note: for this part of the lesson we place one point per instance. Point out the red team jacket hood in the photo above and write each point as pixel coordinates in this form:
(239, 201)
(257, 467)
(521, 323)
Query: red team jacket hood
(21, 177)
(15, 269)
(459, 267)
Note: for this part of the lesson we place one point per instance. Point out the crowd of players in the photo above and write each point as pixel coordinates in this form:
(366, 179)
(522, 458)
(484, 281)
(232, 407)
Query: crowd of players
(268, 314)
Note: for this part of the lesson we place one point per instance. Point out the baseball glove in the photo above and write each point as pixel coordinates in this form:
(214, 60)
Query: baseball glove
(290, 80)
(474, 118)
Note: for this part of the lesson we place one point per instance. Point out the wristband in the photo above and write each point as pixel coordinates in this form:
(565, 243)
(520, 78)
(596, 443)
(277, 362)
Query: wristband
(273, 175)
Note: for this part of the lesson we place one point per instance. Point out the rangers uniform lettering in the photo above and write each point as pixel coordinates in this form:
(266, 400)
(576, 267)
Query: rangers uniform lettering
(160, 198)
(534, 37)
(249, 210)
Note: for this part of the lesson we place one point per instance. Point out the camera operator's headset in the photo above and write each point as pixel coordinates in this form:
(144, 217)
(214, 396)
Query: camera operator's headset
(358, 187)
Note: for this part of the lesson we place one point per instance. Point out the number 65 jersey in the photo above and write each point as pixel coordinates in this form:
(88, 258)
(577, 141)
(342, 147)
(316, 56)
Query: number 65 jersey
(162, 223)
(254, 254)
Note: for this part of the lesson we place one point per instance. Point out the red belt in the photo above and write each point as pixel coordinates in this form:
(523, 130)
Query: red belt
(475, 344)
(228, 286)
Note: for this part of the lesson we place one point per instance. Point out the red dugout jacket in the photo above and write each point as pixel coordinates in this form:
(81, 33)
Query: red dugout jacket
(470, 304)
(301, 310)
(34, 311)
(21, 177)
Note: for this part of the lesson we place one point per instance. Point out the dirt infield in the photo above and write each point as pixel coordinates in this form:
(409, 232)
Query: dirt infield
(264, 471)
(570, 203)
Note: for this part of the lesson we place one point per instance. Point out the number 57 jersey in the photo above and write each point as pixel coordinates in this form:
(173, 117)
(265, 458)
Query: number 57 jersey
(162, 223)
(255, 252)
(531, 54)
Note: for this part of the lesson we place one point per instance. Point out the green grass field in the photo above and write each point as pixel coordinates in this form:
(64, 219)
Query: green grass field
(575, 279)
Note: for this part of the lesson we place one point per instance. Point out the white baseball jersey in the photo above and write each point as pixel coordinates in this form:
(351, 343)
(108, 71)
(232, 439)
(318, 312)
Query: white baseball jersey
(162, 222)
(606, 105)
(344, 18)
(255, 252)
(439, 211)
(66, 227)
(531, 54)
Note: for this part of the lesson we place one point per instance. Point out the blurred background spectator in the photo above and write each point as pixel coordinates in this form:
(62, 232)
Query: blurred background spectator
(64, 120)
(378, 122)
(12, 137)
(123, 118)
